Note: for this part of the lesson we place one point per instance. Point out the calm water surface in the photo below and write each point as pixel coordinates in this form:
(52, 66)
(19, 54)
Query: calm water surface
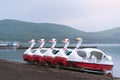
(110, 49)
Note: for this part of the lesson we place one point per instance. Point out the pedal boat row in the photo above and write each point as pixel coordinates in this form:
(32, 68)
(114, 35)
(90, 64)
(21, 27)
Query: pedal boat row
(86, 58)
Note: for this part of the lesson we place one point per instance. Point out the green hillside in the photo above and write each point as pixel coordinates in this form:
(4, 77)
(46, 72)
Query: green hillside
(14, 30)
(106, 36)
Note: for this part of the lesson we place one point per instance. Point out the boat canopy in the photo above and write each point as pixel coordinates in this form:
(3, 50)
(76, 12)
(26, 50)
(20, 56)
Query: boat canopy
(90, 53)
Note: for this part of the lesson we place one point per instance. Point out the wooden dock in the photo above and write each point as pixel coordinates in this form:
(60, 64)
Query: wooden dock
(71, 47)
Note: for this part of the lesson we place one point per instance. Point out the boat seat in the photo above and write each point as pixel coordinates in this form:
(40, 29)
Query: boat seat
(92, 58)
(55, 51)
(67, 52)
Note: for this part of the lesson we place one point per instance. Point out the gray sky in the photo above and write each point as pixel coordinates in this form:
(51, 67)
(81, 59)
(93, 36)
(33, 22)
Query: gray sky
(85, 15)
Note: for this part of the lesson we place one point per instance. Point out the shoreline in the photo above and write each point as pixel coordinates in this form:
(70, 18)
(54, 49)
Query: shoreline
(11, 70)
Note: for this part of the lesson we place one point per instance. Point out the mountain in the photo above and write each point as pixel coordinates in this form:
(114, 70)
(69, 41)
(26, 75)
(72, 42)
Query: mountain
(15, 30)
(106, 36)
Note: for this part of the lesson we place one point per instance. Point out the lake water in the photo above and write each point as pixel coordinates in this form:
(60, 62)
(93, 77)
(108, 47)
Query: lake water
(110, 49)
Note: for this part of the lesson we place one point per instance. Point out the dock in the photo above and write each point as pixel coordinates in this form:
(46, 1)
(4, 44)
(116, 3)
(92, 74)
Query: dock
(71, 47)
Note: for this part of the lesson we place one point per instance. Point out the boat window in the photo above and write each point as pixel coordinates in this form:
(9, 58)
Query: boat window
(81, 54)
(97, 54)
(67, 52)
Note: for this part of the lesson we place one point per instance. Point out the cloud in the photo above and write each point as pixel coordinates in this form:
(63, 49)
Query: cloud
(86, 15)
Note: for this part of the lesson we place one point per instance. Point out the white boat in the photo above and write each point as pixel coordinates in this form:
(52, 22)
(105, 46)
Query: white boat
(50, 54)
(39, 53)
(28, 54)
(91, 59)
(86, 58)
(62, 55)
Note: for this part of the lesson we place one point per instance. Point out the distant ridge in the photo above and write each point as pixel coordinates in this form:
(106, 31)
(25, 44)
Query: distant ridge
(16, 30)
(23, 31)
(106, 36)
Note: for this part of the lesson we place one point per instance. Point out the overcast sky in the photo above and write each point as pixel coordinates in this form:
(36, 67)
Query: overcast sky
(85, 15)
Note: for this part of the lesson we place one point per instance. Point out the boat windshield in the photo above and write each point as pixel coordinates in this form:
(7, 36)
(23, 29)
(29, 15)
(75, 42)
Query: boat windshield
(55, 51)
(33, 50)
(96, 54)
(67, 52)
(43, 50)
(82, 54)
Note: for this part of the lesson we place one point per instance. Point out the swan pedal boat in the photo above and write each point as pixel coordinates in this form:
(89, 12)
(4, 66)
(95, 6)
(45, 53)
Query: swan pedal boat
(91, 59)
(28, 54)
